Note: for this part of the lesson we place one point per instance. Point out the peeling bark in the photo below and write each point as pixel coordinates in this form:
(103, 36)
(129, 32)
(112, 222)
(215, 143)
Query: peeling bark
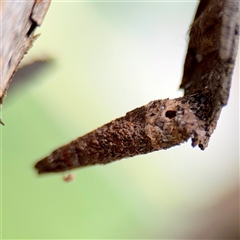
(18, 21)
(162, 124)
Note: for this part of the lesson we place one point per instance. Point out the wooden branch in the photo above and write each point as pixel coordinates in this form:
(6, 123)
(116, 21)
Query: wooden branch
(18, 21)
(162, 124)
(158, 125)
(211, 55)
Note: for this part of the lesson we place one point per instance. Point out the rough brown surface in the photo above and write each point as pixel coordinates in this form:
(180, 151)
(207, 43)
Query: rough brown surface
(162, 124)
(211, 55)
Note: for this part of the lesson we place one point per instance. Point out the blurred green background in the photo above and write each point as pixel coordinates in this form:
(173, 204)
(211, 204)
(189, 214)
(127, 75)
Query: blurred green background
(111, 57)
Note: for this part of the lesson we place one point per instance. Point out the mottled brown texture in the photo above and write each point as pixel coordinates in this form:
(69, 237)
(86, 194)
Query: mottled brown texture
(204, 68)
(211, 54)
(123, 137)
(162, 124)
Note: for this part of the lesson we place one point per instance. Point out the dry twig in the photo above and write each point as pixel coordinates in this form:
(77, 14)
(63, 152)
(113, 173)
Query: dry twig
(162, 124)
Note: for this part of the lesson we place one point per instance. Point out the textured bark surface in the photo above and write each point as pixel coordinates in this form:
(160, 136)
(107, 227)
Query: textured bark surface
(158, 125)
(162, 124)
(211, 54)
(18, 20)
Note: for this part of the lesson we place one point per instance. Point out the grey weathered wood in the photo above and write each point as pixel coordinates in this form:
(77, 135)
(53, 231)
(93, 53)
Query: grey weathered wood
(18, 20)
